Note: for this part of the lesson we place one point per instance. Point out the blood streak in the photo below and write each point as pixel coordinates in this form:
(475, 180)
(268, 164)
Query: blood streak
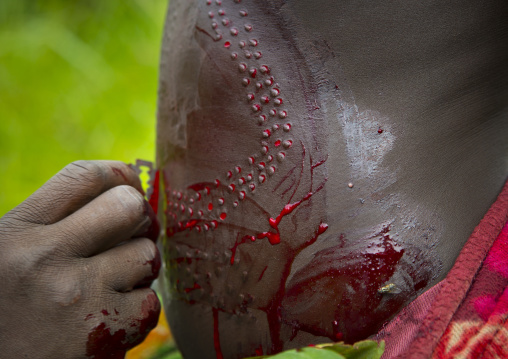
(262, 273)
(216, 337)
(245, 239)
(194, 287)
(154, 197)
(274, 308)
(274, 238)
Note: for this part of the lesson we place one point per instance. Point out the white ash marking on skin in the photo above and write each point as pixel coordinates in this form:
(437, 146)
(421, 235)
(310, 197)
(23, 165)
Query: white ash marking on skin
(365, 147)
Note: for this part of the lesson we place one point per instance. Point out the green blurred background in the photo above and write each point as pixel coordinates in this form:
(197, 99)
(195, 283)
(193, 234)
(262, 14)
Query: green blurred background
(78, 80)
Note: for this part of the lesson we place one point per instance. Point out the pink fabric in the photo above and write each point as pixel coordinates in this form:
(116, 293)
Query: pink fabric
(464, 314)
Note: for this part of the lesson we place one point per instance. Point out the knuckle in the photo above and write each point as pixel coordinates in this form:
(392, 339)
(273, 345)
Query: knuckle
(85, 173)
(143, 250)
(149, 249)
(131, 200)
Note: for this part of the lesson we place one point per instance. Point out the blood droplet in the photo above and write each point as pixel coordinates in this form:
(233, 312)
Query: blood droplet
(256, 108)
(264, 69)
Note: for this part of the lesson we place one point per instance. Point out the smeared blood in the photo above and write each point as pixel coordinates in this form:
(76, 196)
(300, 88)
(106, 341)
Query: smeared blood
(155, 263)
(357, 311)
(150, 310)
(103, 344)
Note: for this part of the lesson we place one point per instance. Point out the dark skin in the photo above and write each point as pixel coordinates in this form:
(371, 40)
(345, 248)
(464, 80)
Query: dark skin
(400, 180)
(398, 127)
(76, 266)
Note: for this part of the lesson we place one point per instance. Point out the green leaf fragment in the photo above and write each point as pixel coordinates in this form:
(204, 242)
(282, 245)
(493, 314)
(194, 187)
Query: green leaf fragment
(367, 349)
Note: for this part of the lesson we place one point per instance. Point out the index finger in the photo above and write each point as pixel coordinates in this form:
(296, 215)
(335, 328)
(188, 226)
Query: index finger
(70, 189)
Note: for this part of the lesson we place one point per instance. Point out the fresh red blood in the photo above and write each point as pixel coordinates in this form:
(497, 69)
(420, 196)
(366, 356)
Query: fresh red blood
(216, 336)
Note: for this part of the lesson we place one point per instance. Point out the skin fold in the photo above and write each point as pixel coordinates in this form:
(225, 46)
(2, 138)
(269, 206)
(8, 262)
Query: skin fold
(77, 259)
(323, 162)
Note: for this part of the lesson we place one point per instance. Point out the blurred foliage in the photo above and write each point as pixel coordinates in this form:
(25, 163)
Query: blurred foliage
(78, 80)
(366, 349)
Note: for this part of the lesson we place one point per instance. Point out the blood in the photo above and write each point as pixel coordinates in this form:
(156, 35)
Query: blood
(154, 197)
(358, 311)
(105, 312)
(274, 309)
(153, 230)
(380, 130)
(182, 226)
(201, 186)
(259, 350)
(155, 263)
(233, 249)
(194, 287)
(262, 273)
(335, 328)
(274, 238)
(103, 344)
(150, 311)
(216, 337)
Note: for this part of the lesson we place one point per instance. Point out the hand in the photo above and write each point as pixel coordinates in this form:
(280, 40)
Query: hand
(75, 266)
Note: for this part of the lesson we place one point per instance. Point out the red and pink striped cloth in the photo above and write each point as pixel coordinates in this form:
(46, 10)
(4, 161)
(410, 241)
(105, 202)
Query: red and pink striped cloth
(465, 315)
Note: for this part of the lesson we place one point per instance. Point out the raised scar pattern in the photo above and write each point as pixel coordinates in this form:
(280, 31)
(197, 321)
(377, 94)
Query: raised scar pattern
(203, 206)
